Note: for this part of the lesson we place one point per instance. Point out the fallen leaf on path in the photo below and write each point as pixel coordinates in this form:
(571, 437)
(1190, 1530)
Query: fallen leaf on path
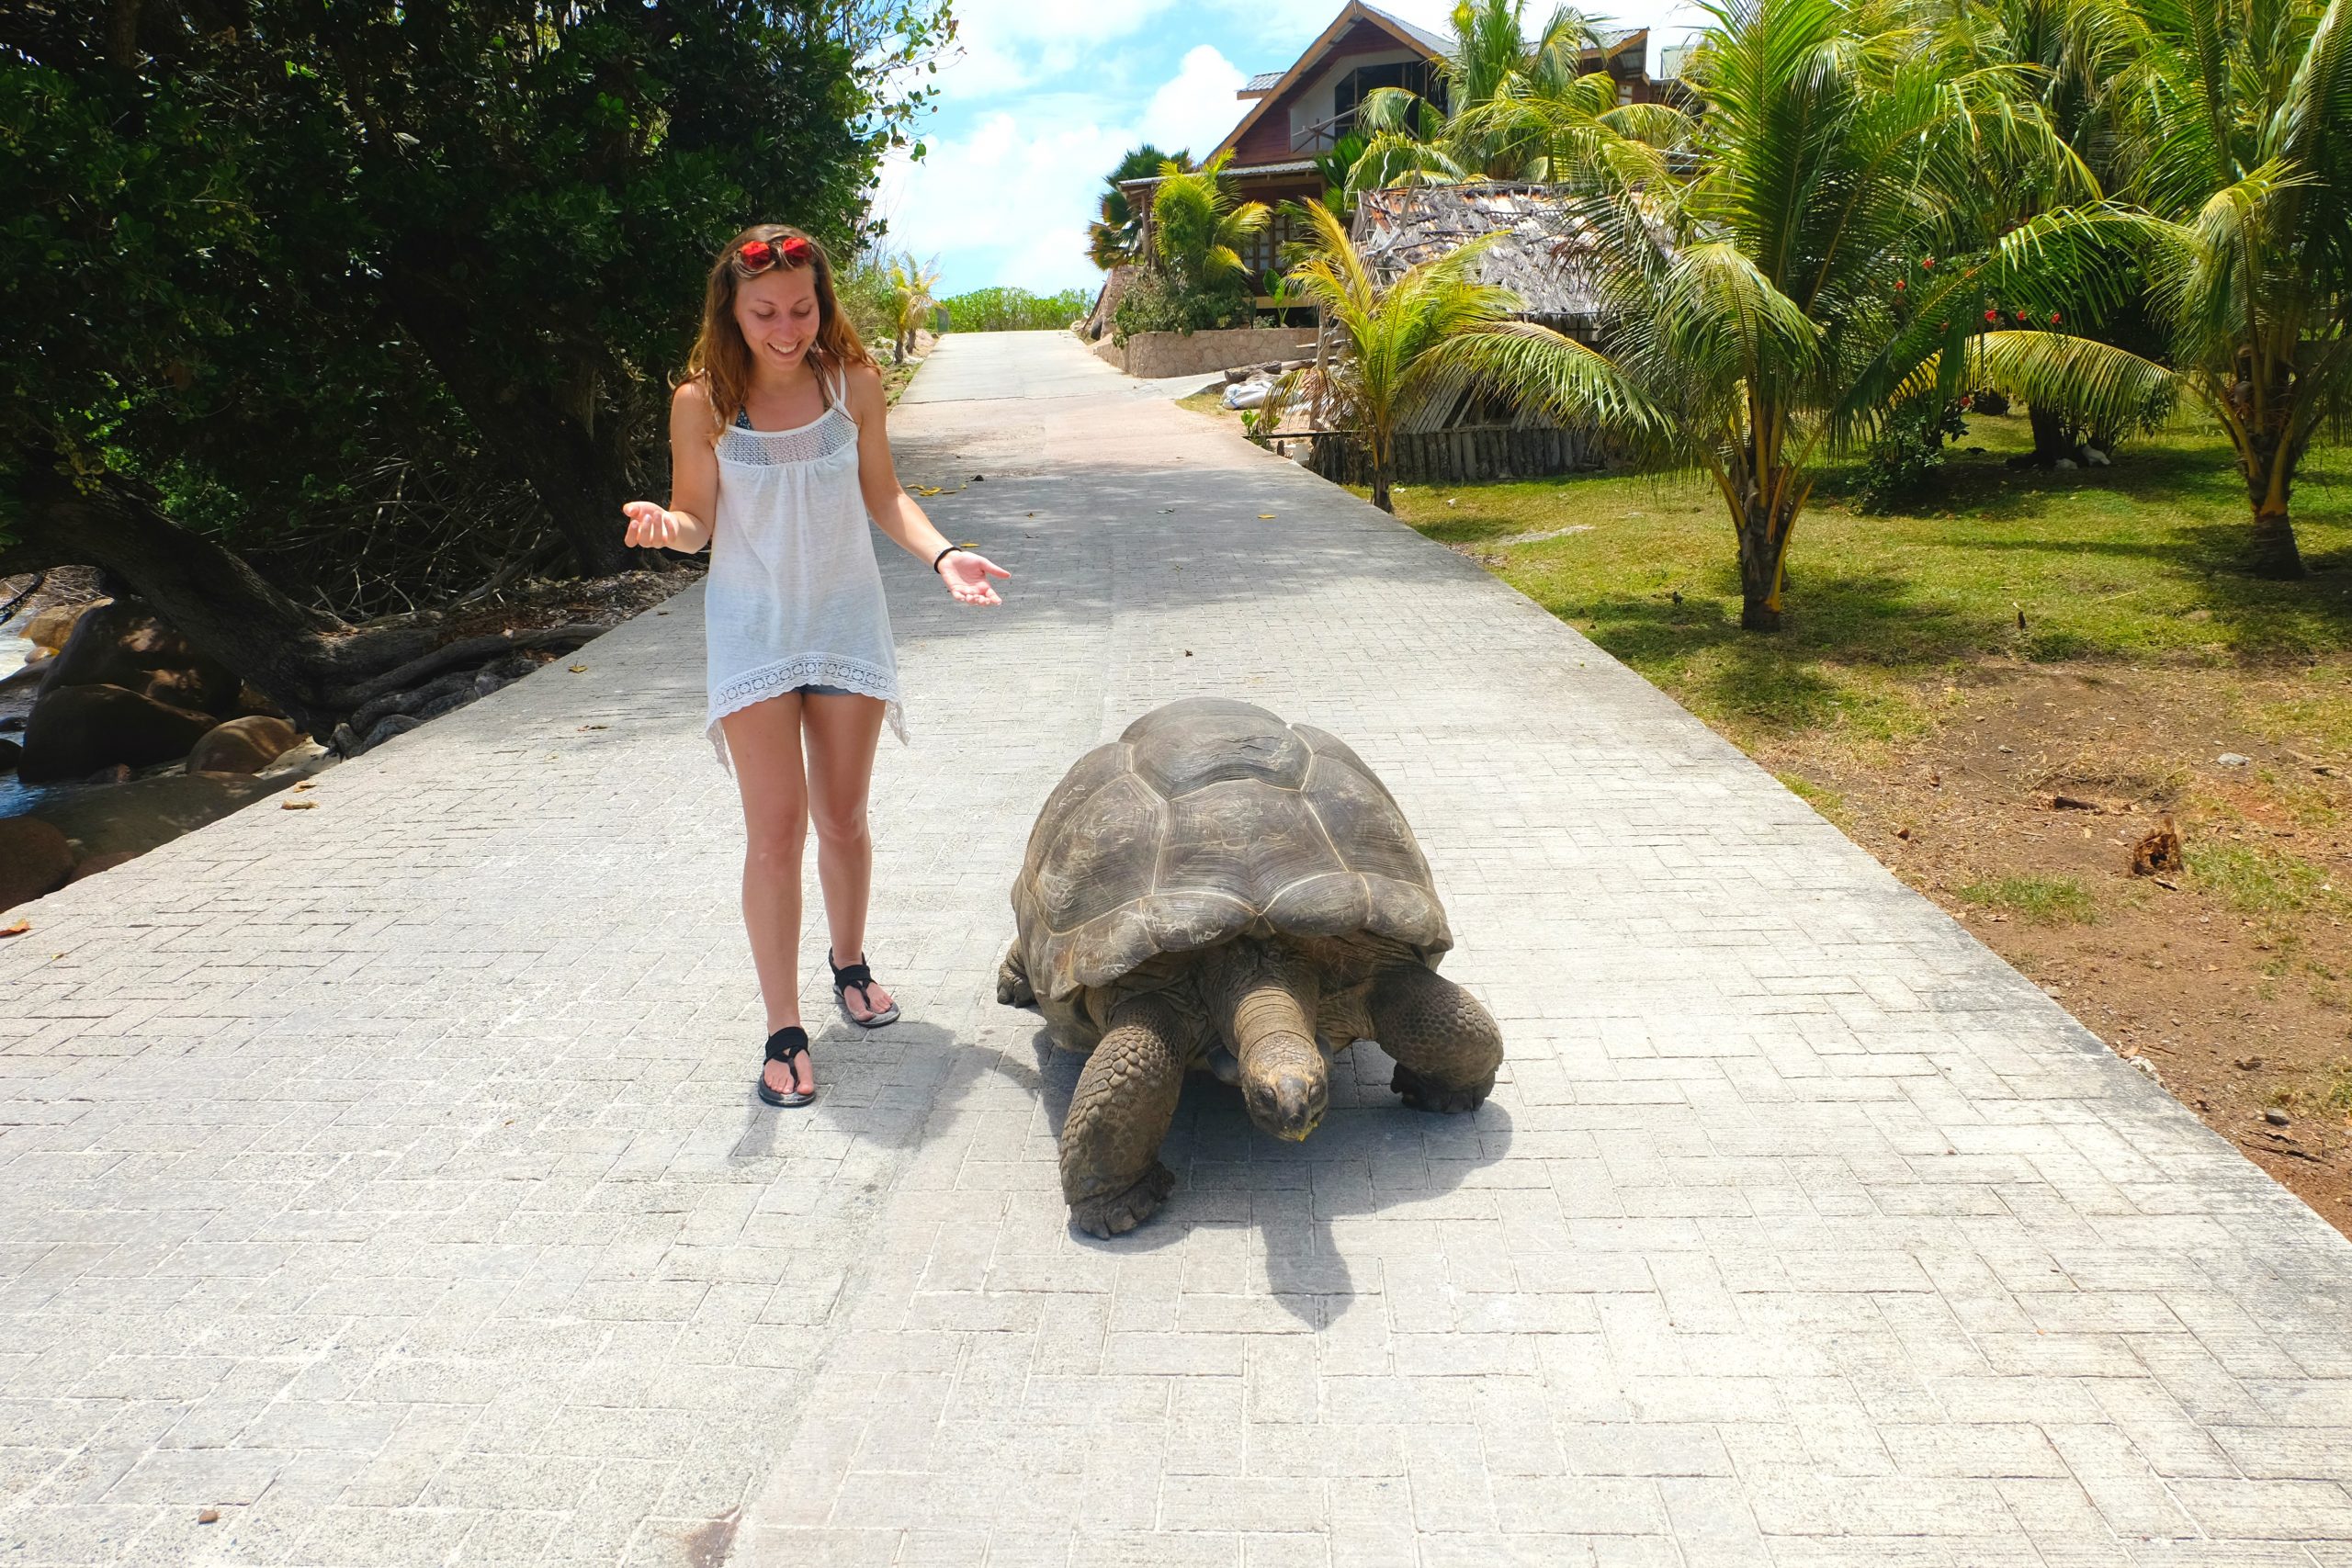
(1265, 517)
(18, 928)
(579, 669)
(209, 1516)
(298, 806)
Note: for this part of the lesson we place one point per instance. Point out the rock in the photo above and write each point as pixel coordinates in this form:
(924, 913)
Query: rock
(2276, 1117)
(93, 865)
(34, 859)
(302, 759)
(53, 626)
(77, 730)
(252, 699)
(9, 752)
(2065, 465)
(241, 746)
(489, 681)
(2096, 459)
(121, 642)
(2232, 759)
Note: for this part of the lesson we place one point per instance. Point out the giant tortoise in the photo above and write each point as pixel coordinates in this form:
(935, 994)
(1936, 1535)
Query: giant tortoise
(1217, 889)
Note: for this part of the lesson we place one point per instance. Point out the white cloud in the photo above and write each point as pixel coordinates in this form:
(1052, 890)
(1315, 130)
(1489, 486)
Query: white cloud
(1009, 201)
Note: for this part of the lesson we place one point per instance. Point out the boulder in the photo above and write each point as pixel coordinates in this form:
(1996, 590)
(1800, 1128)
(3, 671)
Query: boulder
(9, 752)
(78, 730)
(121, 642)
(53, 626)
(93, 865)
(34, 859)
(241, 746)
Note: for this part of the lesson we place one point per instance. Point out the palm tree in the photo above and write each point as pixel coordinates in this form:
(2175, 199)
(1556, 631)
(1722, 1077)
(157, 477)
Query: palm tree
(1783, 298)
(910, 303)
(1426, 334)
(1115, 237)
(2239, 133)
(1199, 231)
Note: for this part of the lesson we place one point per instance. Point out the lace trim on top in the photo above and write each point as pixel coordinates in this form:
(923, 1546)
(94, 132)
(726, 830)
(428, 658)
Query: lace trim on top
(829, 434)
(804, 670)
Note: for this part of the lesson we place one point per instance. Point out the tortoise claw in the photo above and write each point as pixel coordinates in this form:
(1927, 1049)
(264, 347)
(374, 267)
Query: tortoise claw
(1125, 1210)
(1423, 1094)
(1011, 983)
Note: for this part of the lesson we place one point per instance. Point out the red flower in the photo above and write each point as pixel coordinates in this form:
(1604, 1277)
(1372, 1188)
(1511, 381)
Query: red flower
(1929, 263)
(1992, 315)
(2021, 318)
(798, 250)
(1943, 326)
(757, 253)
(2053, 318)
(1968, 403)
(1898, 286)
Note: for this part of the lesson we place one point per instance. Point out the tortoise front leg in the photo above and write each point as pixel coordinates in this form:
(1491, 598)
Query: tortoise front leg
(1446, 1046)
(1112, 1176)
(1012, 979)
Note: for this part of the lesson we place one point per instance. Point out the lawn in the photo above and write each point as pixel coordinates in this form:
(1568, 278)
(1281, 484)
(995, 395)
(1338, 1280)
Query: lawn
(2135, 564)
(1999, 692)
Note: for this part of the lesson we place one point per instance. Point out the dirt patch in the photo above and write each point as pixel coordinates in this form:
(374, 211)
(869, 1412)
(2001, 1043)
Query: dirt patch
(2230, 979)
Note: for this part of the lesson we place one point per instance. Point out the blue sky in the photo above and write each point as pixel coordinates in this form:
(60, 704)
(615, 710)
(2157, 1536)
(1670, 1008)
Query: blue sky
(1045, 95)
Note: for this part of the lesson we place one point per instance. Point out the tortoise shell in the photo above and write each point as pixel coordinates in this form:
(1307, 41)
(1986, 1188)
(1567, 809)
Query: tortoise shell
(1209, 820)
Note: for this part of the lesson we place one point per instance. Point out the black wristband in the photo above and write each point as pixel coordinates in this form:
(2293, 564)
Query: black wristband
(943, 554)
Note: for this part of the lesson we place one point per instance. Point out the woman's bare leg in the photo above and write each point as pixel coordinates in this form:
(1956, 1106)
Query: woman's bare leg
(841, 733)
(764, 741)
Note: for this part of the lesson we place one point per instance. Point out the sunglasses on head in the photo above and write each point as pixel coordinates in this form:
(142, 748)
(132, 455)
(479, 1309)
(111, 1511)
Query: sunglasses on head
(755, 256)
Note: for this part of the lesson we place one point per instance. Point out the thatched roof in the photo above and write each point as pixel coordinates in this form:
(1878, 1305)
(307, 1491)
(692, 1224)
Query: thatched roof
(1535, 258)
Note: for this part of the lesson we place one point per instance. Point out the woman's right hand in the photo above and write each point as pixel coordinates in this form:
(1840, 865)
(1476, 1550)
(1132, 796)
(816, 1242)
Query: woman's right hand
(653, 526)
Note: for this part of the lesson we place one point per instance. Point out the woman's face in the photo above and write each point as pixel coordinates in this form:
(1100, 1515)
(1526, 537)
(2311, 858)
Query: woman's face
(777, 314)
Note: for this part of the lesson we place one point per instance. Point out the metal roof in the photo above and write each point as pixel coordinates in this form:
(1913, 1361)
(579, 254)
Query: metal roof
(1263, 82)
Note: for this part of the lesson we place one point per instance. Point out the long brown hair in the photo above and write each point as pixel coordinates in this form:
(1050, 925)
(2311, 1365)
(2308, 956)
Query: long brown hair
(722, 360)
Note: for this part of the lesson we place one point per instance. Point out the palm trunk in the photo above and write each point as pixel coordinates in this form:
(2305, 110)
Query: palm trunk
(2054, 434)
(2270, 479)
(1380, 488)
(1760, 574)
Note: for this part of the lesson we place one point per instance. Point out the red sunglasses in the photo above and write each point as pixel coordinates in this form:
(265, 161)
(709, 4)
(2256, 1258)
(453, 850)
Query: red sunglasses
(756, 256)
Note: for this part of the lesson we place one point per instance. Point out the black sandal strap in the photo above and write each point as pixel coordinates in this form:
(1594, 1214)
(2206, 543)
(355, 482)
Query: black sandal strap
(848, 975)
(787, 1043)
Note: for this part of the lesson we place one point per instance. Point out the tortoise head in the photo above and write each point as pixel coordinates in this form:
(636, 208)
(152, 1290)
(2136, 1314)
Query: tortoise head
(1263, 998)
(1286, 1084)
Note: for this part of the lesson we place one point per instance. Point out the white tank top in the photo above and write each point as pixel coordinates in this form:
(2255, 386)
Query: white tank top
(794, 597)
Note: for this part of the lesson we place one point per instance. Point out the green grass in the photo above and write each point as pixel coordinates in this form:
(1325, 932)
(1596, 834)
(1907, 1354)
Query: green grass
(2140, 563)
(2257, 881)
(2044, 900)
(1821, 797)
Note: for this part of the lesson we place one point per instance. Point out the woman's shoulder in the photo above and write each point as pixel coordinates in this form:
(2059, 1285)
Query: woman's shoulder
(691, 396)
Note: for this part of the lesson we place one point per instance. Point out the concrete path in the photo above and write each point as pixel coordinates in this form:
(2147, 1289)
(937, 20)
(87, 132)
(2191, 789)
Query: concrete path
(386, 1175)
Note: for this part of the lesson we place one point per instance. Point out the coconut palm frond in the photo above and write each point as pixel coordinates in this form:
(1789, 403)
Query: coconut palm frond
(2112, 387)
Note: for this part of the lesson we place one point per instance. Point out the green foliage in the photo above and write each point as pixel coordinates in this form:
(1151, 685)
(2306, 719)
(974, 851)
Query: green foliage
(1907, 453)
(364, 288)
(1155, 303)
(2259, 881)
(1199, 230)
(1015, 310)
(1115, 237)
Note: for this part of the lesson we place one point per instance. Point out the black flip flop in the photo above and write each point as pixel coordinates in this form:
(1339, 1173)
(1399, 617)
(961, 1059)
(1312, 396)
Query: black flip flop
(783, 1047)
(856, 978)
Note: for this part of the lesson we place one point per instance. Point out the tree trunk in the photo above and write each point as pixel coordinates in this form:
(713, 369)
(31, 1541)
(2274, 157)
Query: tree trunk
(2053, 435)
(316, 667)
(1380, 488)
(1760, 570)
(2275, 554)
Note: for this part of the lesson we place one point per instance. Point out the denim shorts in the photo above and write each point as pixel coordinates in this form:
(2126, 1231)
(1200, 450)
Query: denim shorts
(815, 691)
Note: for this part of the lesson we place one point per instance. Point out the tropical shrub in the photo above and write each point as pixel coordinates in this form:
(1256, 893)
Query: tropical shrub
(1015, 311)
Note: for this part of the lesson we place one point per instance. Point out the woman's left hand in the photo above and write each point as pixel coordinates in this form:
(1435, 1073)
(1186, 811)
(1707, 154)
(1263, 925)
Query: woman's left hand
(968, 575)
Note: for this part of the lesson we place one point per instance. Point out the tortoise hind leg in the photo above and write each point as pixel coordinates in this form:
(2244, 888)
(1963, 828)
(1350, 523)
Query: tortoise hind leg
(1112, 1176)
(1445, 1044)
(1012, 980)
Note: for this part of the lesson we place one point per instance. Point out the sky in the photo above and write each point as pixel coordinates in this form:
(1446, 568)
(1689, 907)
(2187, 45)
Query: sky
(1043, 96)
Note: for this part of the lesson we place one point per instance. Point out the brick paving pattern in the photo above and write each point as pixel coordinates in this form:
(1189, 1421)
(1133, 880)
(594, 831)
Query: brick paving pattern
(387, 1176)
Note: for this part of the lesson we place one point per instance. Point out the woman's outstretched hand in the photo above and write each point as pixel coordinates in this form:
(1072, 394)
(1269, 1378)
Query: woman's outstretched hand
(968, 578)
(653, 526)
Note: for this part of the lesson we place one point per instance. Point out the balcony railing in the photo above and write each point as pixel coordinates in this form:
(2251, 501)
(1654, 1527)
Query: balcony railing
(1324, 134)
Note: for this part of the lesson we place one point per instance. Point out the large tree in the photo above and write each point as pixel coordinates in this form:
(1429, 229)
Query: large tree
(262, 253)
(2238, 132)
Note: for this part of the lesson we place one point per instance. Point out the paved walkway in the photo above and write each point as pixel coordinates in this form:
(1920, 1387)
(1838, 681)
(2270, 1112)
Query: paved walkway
(386, 1175)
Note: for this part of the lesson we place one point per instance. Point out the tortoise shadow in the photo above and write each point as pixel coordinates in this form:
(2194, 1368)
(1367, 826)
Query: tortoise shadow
(1309, 1204)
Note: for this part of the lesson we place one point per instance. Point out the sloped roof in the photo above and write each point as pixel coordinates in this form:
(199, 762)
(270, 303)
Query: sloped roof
(1537, 257)
(1353, 12)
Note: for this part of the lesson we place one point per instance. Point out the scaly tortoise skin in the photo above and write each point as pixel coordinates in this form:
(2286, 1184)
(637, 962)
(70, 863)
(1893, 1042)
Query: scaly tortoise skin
(1219, 889)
